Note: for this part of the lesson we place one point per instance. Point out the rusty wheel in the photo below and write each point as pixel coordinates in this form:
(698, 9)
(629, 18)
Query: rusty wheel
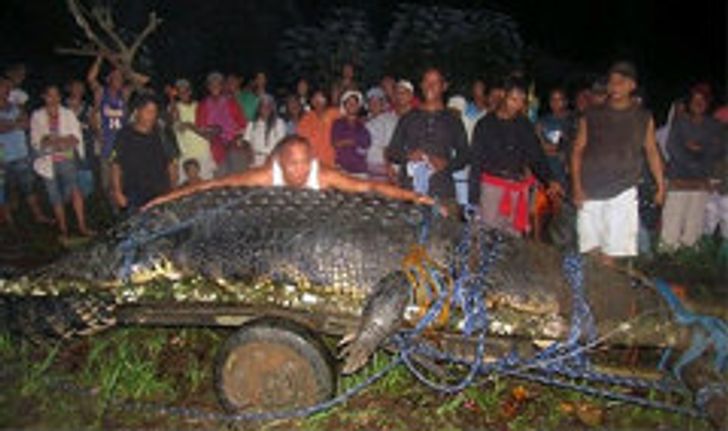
(273, 365)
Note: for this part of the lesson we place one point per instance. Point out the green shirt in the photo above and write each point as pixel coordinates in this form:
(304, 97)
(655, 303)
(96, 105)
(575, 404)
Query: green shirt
(249, 102)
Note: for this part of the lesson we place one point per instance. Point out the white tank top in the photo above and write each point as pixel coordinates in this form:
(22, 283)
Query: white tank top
(312, 182)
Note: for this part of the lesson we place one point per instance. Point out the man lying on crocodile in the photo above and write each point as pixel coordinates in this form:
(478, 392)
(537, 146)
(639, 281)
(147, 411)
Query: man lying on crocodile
(292, 164)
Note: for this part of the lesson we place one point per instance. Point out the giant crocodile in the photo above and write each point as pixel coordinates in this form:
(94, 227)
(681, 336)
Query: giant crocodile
(324, 252)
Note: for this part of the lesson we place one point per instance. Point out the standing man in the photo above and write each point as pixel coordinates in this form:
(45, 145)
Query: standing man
(55, 134)
(611, 144)
(141, 168)
(694, 145)
(430, 143)
(477, 107)
(404, 97)
(111, 102)
(381, 125)
(16, 157)
(505, 153)
(17, 73)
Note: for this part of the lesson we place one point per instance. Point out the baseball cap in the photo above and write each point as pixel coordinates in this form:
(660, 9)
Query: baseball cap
(457, 102)
(624, 68)
(215, 77)
(375, 92)
(182, 83)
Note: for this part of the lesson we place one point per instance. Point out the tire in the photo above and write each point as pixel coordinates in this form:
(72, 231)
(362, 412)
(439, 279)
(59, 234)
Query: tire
(273, 365)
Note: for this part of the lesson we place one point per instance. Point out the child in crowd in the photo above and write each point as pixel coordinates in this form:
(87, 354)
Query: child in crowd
(192, 172)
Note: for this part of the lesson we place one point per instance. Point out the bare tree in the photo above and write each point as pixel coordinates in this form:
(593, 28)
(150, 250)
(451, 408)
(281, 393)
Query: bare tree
(103, 37)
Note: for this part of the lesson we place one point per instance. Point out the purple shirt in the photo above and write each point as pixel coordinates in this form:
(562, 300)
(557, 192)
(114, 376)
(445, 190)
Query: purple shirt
(351, 157)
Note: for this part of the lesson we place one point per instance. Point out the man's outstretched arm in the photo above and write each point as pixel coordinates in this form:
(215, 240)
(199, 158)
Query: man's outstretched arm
(255, 177)
(331, 178)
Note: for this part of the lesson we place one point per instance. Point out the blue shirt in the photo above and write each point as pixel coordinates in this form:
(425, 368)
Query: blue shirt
(113, 117)
(15, 143)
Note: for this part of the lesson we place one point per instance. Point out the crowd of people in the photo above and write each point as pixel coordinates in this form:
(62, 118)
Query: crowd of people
(486, 154)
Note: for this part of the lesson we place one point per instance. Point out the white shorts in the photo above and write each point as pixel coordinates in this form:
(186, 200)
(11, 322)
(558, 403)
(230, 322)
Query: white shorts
(610, 225)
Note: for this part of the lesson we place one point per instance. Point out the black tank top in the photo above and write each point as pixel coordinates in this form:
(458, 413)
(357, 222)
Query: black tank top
(613, 156)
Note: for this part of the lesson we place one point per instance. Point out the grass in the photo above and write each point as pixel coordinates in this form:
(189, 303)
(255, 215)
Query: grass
(702, 265)
(171, 367)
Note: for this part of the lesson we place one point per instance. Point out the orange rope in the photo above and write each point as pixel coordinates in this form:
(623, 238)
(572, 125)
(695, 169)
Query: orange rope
(417, 265)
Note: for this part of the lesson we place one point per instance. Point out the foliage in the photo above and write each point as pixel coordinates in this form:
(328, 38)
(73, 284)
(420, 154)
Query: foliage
(466, 43)
(318, 52)
(699, 265)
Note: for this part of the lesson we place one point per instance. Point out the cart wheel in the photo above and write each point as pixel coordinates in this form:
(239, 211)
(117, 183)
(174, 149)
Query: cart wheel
(273, 365)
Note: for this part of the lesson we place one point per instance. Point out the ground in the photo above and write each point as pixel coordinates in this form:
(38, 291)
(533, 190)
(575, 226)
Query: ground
(127, 377)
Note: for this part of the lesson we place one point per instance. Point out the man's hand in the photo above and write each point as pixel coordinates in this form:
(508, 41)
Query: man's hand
(578, 197)
(343, 143)
(67, 142)
(550, 149)
(659, 198)
(212, 131)
(554, 190)
(694, 145)
(48, 141)
(424, 200)
(416, 156)
(391, 174)
(438, 163)
(121, 200)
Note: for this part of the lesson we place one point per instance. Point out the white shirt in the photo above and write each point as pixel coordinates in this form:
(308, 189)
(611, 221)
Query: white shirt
(263, 143)
(18, 97)
(381, 128)
(312, 182)
(67, 125)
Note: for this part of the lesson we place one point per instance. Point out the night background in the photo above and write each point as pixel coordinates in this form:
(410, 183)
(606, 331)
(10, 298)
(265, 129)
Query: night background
(673, 43)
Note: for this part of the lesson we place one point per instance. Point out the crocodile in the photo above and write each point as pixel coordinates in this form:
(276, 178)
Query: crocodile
(325, 252)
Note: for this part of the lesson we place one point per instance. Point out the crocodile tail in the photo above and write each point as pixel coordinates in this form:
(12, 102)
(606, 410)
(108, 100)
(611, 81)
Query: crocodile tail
(62, 316)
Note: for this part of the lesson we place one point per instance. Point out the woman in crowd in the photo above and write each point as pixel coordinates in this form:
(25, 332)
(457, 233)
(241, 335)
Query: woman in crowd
(264, 133)
(350, 137)
(190, 138)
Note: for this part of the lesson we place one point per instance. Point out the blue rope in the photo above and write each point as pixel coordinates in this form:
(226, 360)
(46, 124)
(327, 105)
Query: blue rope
(561, 364)
(707, 331)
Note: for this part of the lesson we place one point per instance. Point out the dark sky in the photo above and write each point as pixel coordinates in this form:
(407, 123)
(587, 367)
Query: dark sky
(674, 43)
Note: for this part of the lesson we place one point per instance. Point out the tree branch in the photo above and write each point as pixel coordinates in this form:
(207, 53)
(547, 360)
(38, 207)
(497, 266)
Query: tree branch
(85, 52)
(103, 18)
(76, 10)
(152, 25)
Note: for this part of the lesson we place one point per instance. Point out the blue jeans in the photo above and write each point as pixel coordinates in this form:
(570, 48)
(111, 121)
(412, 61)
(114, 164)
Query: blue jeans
(19, 173)
(64, 181)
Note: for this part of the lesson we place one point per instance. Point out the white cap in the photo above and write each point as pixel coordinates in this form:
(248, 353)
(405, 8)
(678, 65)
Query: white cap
(403, 83)
(351, 93)
(457, 102)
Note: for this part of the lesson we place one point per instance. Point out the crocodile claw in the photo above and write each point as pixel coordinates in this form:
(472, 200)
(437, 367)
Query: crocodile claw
(355, 355)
